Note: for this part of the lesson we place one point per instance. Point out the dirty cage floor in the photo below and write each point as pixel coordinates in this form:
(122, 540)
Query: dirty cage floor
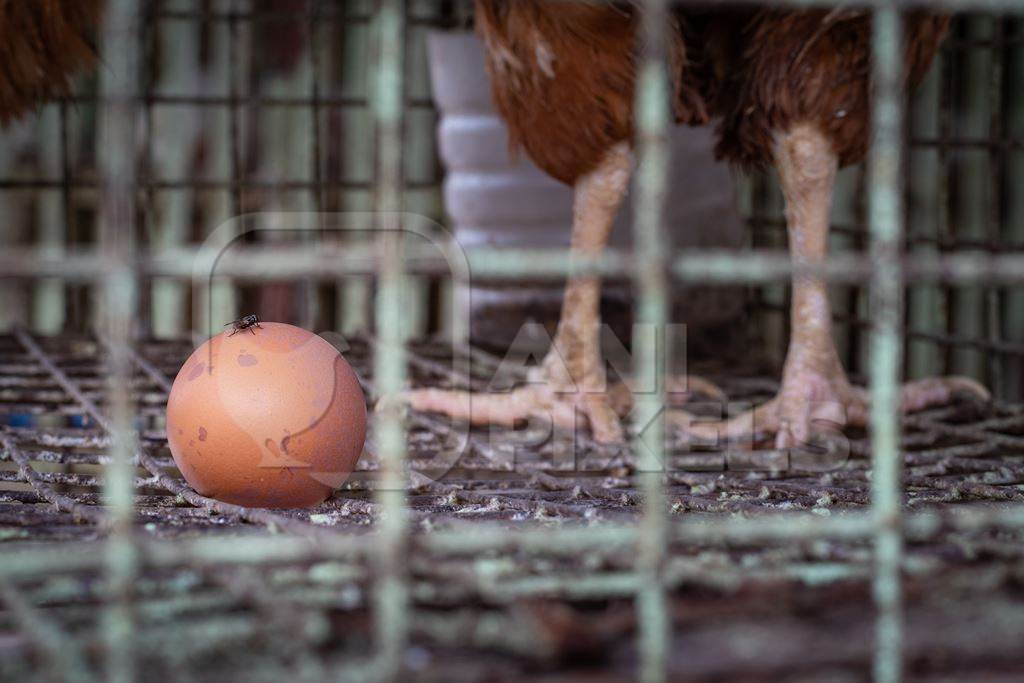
(752, 611)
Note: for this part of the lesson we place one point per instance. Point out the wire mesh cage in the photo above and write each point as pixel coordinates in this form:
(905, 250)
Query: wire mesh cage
(290, 141)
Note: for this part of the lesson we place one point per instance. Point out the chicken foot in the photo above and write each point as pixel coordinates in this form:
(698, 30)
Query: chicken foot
(815, 387)
(571, 380)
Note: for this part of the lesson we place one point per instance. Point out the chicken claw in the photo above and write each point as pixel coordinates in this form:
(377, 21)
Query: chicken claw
(808, 401)
(551, 401)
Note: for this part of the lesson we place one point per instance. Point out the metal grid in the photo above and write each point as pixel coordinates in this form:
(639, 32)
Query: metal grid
(968, 452)
(642, 552)
(969, 455)
(203, 82)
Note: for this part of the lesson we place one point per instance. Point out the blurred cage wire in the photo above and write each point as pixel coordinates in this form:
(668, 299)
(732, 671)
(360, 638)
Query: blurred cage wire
(243, 107)
(522, 565)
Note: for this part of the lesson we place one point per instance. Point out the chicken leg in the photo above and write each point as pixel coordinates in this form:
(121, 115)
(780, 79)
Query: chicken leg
(814, 385)
(571, 378)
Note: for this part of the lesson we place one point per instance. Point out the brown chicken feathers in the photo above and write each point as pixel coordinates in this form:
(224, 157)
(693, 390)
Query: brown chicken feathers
(565, 71)
(43, 43)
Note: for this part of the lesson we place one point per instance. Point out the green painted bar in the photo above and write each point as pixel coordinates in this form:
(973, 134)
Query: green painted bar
(886, 224)
(254, 549)
(697, 265)
(594, 587)
(390, 598)
(652, 127)
(117, 146)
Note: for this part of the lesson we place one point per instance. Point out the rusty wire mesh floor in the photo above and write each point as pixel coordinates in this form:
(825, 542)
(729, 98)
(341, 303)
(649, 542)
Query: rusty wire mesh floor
(769, 611)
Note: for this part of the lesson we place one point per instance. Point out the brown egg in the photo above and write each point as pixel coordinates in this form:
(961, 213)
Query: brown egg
(267, 417)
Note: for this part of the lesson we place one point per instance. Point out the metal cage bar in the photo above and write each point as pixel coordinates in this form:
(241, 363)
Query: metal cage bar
(652, 108)
(305, 545)
(391, 594)
(117, 146)
(886, 216)
(764, 266)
